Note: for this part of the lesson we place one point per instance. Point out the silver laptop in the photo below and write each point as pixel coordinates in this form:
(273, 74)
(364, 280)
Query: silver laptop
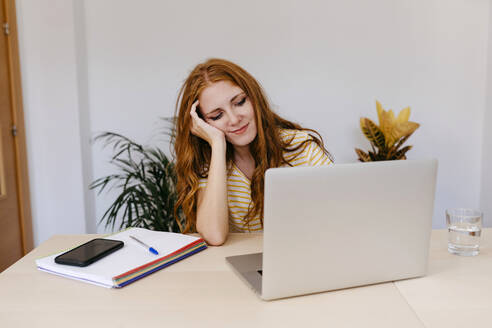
(341, 226)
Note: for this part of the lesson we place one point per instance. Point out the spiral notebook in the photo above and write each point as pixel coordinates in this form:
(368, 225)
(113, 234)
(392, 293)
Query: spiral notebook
(132, 262)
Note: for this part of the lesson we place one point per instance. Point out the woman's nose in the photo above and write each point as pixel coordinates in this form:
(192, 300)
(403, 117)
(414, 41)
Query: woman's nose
(233, 118)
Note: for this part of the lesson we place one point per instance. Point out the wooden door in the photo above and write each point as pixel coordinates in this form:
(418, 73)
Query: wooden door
(15, 225)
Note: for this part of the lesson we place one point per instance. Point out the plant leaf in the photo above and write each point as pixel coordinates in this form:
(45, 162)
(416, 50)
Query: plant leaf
(380, 110)
(404, 129)
(401, 153)
(404, 115)
(363, 156)
(387, 125)
(372, 132)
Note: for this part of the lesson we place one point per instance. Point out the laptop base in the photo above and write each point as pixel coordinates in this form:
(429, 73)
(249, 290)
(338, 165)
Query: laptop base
(249, 268)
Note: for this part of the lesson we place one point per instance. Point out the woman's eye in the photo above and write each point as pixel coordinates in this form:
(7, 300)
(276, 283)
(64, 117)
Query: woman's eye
(241, 102)
(215, 118)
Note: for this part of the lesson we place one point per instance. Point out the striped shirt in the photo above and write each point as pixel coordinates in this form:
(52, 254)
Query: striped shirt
(239, 186)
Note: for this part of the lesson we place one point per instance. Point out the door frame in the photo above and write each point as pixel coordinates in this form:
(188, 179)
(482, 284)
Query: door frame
(17, 110)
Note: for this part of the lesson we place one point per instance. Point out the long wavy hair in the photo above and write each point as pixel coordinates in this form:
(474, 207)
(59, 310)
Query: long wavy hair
(193, 154)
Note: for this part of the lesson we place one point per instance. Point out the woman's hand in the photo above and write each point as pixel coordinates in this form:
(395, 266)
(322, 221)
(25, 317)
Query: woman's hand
(203, 130)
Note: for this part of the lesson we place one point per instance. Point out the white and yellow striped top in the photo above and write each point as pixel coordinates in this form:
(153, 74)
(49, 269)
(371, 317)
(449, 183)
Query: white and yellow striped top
(239, 186)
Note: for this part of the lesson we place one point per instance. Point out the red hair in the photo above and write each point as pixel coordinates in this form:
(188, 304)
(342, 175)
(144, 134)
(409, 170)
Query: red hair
(193, 153)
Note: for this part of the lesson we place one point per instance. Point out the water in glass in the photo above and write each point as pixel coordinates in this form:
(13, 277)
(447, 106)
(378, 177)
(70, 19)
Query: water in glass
(464, 230)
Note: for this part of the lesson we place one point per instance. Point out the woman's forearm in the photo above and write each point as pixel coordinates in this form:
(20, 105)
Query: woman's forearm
(212, 218)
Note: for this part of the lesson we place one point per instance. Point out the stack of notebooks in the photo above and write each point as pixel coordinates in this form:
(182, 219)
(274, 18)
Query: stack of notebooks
(131, 262)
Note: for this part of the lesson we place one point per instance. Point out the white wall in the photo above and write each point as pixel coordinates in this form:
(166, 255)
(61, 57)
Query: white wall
(49, 77)
(486, 177)
(323, 64)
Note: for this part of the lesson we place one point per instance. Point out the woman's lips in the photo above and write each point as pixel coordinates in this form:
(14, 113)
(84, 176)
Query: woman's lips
(241, 130)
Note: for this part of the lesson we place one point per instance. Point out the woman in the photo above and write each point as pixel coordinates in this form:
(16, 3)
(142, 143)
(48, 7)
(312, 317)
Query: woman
(227, 136)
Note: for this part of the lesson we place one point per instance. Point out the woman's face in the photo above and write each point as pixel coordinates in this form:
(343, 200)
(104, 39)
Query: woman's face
(226, 107)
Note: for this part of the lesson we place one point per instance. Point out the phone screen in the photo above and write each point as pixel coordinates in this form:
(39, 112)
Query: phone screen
(89, 252)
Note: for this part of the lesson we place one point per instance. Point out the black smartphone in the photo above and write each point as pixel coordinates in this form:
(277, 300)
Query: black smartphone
(89, 252)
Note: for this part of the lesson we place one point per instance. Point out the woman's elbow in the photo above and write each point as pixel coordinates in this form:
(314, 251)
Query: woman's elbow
(214, 239)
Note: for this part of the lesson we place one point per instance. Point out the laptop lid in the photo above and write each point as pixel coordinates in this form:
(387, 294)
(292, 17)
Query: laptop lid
(345, 225)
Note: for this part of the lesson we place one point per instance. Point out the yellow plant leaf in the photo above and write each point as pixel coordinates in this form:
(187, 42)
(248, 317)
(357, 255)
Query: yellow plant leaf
(363, 156)
(380, 110)
(403, 129)
(372, 132)
(392, 116)
(404, 115)
(387, 124)
(362, 123)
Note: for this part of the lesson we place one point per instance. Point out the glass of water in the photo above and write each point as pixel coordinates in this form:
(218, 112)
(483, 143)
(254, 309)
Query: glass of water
(464, 230)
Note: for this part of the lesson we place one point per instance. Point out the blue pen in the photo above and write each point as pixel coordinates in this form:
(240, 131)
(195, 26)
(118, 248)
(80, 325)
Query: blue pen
(151, 249)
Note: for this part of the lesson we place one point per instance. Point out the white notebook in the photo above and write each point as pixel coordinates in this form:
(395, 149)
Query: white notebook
(131, 262)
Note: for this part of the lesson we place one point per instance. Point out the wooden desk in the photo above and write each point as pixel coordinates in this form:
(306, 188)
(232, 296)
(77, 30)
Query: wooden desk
(203, 291)
(457, 291)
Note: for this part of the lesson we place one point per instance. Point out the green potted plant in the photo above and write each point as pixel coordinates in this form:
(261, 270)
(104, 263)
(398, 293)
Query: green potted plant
(387, 139)
(147, 181)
